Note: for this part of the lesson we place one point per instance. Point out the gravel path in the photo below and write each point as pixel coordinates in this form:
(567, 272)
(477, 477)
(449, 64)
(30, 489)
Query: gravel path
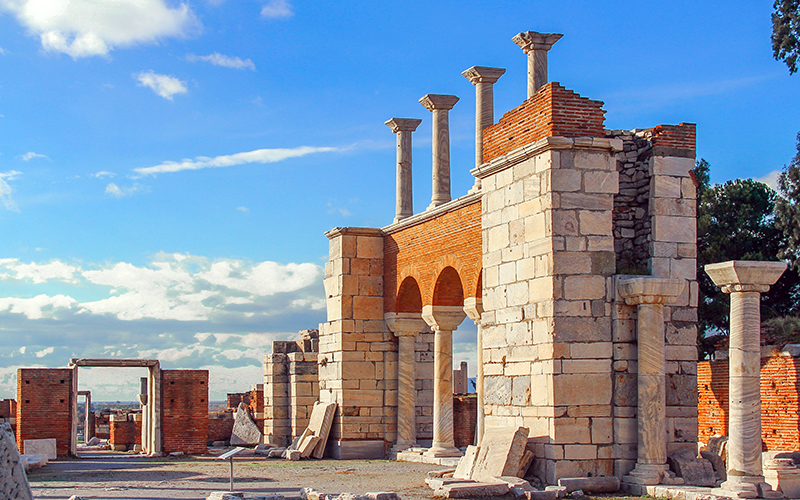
(121, 476)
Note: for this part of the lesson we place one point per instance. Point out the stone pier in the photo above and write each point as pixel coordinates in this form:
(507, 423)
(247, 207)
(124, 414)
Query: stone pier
(745, 281)
(439, 105)
(443, 320)
(403, 127)
(649, 295)
(535, 46)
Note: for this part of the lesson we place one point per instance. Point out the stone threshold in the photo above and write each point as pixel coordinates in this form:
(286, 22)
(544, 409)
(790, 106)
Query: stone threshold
(418, 455)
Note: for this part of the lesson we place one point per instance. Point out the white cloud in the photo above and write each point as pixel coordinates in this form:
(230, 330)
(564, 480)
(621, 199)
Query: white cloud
(771, 179)
(121, 192)
(44, 352)
(36, 307)
(277, 9)
(164, 85)
(266, 278)
(102, 174)
(257, 156)
(31, 155)
(84, 28)
(6, 191)
(2, 52)
(218, 59)
(22, 350)
(40, 273)
(243, 209)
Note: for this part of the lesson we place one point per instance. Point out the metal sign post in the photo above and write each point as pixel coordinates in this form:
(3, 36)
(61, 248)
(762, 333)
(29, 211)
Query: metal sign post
(228, 455)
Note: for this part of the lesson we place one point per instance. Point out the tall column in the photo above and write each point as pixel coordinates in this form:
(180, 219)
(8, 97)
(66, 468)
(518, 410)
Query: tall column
(745, 281)
(473, 307)
(443, 320)
(535, 45)
(439, 105)
(406, 326)
(484, 79)
(403, 127)
(649, 295)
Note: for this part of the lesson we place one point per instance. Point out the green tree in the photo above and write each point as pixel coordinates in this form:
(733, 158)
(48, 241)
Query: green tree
(787, 209)
(736, 221)
(786, 32)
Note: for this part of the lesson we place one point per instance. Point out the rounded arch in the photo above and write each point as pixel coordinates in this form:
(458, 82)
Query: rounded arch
(409, 298)
(448, 290)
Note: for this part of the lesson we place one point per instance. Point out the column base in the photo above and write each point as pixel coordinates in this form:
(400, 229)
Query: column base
(441, 451)
(746, 487)
(437, 203)
(398, 447)
(646, 474)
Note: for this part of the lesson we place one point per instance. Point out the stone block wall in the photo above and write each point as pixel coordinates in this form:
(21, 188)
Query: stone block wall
(43, 406)
(780, 401)
(184, 399)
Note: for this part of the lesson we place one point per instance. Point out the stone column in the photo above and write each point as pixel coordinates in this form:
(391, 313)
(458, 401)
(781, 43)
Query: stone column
(403, 127)
(440, 105)
(484, 79)
(473, 307)
(443, 320)
(745, 281)
(406, 326)
(535, 45)
(649, 295)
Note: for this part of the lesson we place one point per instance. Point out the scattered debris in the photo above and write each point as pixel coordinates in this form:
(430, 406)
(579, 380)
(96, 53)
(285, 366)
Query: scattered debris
(312, 494)
(598, 484)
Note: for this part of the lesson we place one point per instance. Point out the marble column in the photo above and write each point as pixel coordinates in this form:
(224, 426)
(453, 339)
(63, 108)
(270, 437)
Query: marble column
(443, 320)
(439, 105)
(535, 45)
(484, 79)
(406, 326)
(403, 127)
(745, 281)
(473, 307)
(649, 294)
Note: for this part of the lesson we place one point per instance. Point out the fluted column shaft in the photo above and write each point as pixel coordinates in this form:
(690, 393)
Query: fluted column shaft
(440, 105)
(404, 204)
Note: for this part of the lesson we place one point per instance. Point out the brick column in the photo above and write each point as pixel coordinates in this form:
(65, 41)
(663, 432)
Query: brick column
(484, 79)
(439, 105)
(443, 320)
(745, 281)
(535, 45)
(649, 295)
(473, 307)
(404, 199)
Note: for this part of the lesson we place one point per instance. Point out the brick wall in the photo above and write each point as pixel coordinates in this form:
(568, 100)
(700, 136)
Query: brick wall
(552, 112)
(234, 398)
(681, 136)
(465, 417)
(8, 408)
(43, 406)
(220, 426)
(102, 427)
(184, 399)
(780, 403)
(123, 432)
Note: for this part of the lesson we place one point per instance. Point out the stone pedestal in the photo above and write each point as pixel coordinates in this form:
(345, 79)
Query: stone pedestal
(484, 79)
(473, 307)
(535, 45)
(439, 105)
(745, 281)
(403, 127)
(649, 295)
(782, 475)
(443, 320)
(405, 326)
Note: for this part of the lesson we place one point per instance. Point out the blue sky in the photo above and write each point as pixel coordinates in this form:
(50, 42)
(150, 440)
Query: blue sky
(167, 170)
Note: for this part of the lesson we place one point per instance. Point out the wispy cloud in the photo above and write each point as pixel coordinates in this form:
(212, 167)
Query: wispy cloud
(31, 155)
(257, 156)
(771, 179)
(2, 52)
(121, 192)
(103, 174)
(6, 191)
(218, 59)
(85, 28)
(164, 85)
(244, 210)
(277, 9)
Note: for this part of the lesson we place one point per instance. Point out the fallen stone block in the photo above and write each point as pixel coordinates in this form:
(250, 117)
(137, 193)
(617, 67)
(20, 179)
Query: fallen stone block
(695, 472)
(561, 490)
(225, 495)
(515, 482)
(500, 453)
(312, 494)
(471, 489)
(292, 455)
(435, 483)
(716, 463)
(600, 484)
(320, 424)
(442, 473)
(466, 464)
(245, 431)
(276, 453)
(577, 494)
(94, 441)
(274, 496)
(542, 495)
(307, 445)
(525, 463)
(382, 495)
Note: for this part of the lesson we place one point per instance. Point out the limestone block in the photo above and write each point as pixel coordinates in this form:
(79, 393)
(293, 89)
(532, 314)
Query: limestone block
(677, 207)
(368, 308)
(674, 229)
(601, 182)
(571, 430)
(581, 201)
(500, 453)
(607, 484)
(695, 472)
(595, 350)
(586, 366)
(565, 223)
(497, 389)
(595, 222)
(626, 431)
(521, 390)
(672, 166)
(466, 463)
(471, 490)
(602, 430)
(662, 186)
(589, 160)
(580, 329)
(245, 431)
(45, 447)
(498, 238)
(626, 387)
(572, 263)
(688, 189)
(582, 389)
(369, 247)
(565, 180)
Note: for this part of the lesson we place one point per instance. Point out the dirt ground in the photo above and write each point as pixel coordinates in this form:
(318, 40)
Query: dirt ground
(106, 475)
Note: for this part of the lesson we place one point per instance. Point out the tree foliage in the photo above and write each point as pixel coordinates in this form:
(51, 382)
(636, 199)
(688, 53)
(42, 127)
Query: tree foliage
(786, 32)
(736, 221)
(787, 209)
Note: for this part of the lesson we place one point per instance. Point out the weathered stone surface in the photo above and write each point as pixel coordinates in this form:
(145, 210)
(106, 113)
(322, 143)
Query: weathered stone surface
(245, 431)
(307, 445)
(695, 472)
(590, 484)
(268, 497)
(46, 447)
(500, 453)
(471, 489)
(717, 463)
(13, 482)
(467, 463)
(225, 495)
(320, 425)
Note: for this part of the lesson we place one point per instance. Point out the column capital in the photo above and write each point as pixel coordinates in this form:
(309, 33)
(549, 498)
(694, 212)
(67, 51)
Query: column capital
(443, 317)
(533, 40)
(745, 275)
(473, 307)
(403, 124)
(483, 74)
(650, 290)
(405, 324)
(438, 101)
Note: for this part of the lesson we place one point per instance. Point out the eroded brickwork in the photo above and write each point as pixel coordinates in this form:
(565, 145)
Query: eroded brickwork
(184, 400)
(43, 406)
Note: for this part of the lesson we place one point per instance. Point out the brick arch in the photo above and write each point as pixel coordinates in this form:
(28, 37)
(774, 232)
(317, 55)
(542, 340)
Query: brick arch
(409, 298)
(479, 285)
(448, 290)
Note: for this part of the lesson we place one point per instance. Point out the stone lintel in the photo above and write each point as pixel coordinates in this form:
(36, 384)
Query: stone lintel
(403, 124)
(745, 275)
(538, 147)
(405, 323)
(353, 231)
(533, 40)
(676, 152)
(483, 74)
(443, 317)
(650, 290)
(85, 393)
(438, 101)
(473, 307)
(112, 363)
